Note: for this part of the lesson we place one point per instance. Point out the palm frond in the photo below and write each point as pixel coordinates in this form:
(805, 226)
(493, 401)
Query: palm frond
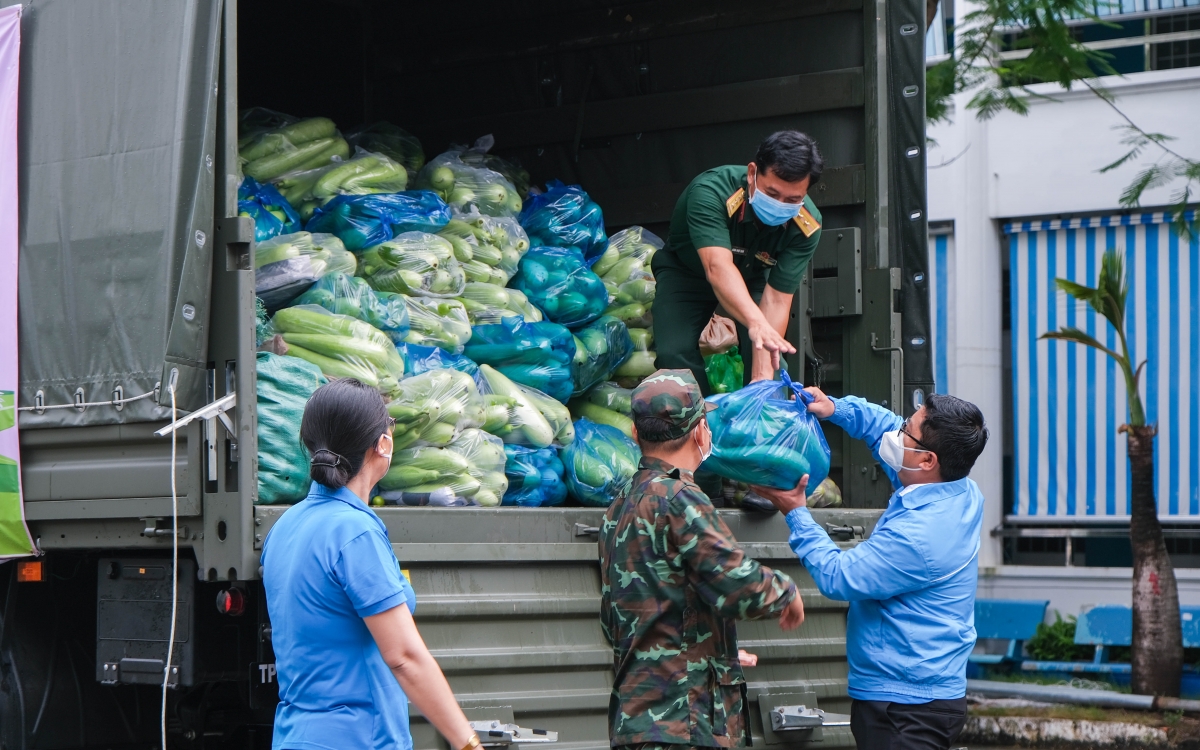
(1079, 337)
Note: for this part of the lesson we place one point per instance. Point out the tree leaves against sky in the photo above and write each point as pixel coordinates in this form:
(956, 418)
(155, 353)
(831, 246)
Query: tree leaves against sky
(1051, 54)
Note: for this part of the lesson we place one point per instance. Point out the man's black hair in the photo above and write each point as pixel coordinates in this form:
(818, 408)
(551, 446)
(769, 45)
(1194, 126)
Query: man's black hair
(791, 155)
(654, 432)
(954, 430)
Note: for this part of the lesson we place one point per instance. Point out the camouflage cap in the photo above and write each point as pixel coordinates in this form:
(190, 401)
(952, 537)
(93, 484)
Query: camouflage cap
(674, 397)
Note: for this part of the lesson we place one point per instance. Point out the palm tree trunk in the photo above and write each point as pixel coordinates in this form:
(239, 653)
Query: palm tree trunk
(1157, 637)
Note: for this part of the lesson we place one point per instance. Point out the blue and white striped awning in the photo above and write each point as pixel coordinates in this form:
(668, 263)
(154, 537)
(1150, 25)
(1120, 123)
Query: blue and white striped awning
(1068, 400)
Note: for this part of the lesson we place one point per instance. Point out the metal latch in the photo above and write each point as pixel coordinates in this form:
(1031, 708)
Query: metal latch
(156, 527)
(794, 718)
(582, 529)
(496, 733)
(844, 533)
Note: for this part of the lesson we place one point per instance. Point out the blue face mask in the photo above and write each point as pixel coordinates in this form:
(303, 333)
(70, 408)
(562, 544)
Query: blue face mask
(770, 211)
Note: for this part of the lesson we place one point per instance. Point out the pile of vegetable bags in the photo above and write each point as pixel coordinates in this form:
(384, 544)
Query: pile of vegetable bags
(365, 173)
(761, 438)
(565, 216)
(469, 183)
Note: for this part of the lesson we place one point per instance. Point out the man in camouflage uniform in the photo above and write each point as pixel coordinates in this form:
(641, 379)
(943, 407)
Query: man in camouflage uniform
(674, 580)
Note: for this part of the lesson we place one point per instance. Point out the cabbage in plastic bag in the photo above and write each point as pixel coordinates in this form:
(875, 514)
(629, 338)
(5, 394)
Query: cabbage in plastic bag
(433, 408)
(599, 463)
(362, 221)
(522, 416)
(300, 145)
(761, 438)
(600, 348)
(365, 173)
(464, 186)
(536, 355)
(284, 385)
(564, 216)
(557, 280)
(350, 295)
(535, 477)
(396, 142)
(287, 265)
(341, 346)
(438, 322)
(271, 212)
(414, 263)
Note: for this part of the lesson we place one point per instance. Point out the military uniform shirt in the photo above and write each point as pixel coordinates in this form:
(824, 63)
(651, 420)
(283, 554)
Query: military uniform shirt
(673, 581)
(715, 211)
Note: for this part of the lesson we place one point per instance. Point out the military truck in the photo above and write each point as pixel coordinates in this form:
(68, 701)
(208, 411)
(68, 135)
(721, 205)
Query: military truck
(136, 281)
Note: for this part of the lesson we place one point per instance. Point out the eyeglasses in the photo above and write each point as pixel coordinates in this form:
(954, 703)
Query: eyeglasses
(904, 429)
(391, 423)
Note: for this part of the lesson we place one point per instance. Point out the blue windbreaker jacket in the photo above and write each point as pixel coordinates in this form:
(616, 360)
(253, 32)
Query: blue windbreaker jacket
(911, 585)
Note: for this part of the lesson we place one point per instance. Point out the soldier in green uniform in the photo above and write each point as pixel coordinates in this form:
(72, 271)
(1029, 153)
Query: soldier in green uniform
(674, 580)
(740, 236)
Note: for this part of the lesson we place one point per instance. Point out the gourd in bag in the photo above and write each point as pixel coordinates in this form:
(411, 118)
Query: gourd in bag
(599, 463)
(287, 265)
(341, 346)
(434, 408)
(363, 221)
(437, 322)
(558, 281)
(565, 216)
(761, 438)
(414, 263)
(536, 355)
(535, 477)
(601, 347)
(351, 295)
(284, 385)
(271, 212)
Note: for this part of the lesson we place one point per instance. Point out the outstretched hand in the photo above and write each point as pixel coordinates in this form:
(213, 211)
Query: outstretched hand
(821, 405)
(785, 500)
(793, 615)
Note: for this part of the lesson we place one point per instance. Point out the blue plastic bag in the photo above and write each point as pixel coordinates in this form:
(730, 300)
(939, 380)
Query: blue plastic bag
(420, 359)
(536, 355)
(535, 477)
(271, 212)
(564, 216)
(599, 463)
(600, 348)
(363, 221)
(761, 438)
(350, 295)
(559, 283)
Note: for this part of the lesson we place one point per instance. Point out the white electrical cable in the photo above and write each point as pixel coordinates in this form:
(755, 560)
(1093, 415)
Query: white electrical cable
(174, 573)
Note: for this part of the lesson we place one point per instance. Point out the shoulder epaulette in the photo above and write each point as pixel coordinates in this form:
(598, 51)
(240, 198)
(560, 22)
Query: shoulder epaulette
(734, 202)
(806, 222)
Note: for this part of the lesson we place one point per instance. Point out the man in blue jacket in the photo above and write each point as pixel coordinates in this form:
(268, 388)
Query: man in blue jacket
(911, 585)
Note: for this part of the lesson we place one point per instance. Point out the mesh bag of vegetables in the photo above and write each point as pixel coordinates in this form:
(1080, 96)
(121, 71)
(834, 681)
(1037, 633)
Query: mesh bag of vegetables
(557, 280)
(600, 348)
(341, 346)
(287, 265)
(599, 463)
(300, 145)
(536, 355)
(364, 174)
(469, 471)
(490, 248)
(488, 304)
(394, 142)
(284, 385)
(725, 371)
(414, 263)
(564, 216)
(350, 295)
(522, 416)
(434, 407)
(606, 403)
(362, 221)
(271, 212)
(535, 477)
(761, 438)
(464, 186)
(437, 322)
(420, 359)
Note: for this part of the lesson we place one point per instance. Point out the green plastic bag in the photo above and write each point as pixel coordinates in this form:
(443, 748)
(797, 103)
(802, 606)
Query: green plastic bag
(284, 385)
(725, 371)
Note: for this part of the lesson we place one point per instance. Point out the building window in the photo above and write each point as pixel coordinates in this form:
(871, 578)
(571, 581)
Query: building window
(1177, 54)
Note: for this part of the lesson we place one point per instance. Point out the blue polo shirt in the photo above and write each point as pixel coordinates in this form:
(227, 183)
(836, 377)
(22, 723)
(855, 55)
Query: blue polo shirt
(327, 564)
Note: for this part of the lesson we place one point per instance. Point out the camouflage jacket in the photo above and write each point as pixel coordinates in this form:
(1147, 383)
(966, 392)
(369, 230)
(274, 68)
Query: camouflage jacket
(673, 582)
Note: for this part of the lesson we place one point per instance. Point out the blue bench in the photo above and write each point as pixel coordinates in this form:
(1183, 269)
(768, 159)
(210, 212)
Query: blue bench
(1112, 625)
(1012, 620)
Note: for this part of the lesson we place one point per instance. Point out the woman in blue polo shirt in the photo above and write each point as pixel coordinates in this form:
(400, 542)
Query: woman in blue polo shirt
(346, 646)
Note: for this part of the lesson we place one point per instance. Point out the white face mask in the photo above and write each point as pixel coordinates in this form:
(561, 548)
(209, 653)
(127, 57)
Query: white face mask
(704, 454)
(891, 452)
(391, 445)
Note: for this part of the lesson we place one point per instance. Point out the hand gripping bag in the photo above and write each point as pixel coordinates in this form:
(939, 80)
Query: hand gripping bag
(761, 438)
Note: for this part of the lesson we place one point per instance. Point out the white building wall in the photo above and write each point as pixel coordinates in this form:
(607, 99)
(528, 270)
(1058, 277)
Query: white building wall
(982, 173)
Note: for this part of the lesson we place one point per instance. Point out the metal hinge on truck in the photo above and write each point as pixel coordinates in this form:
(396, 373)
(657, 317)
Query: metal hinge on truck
(802, 718)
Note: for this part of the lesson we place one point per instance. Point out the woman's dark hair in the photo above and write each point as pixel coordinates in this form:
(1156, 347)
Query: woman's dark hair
(954, 430)
(342, 421)
(791, 155)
